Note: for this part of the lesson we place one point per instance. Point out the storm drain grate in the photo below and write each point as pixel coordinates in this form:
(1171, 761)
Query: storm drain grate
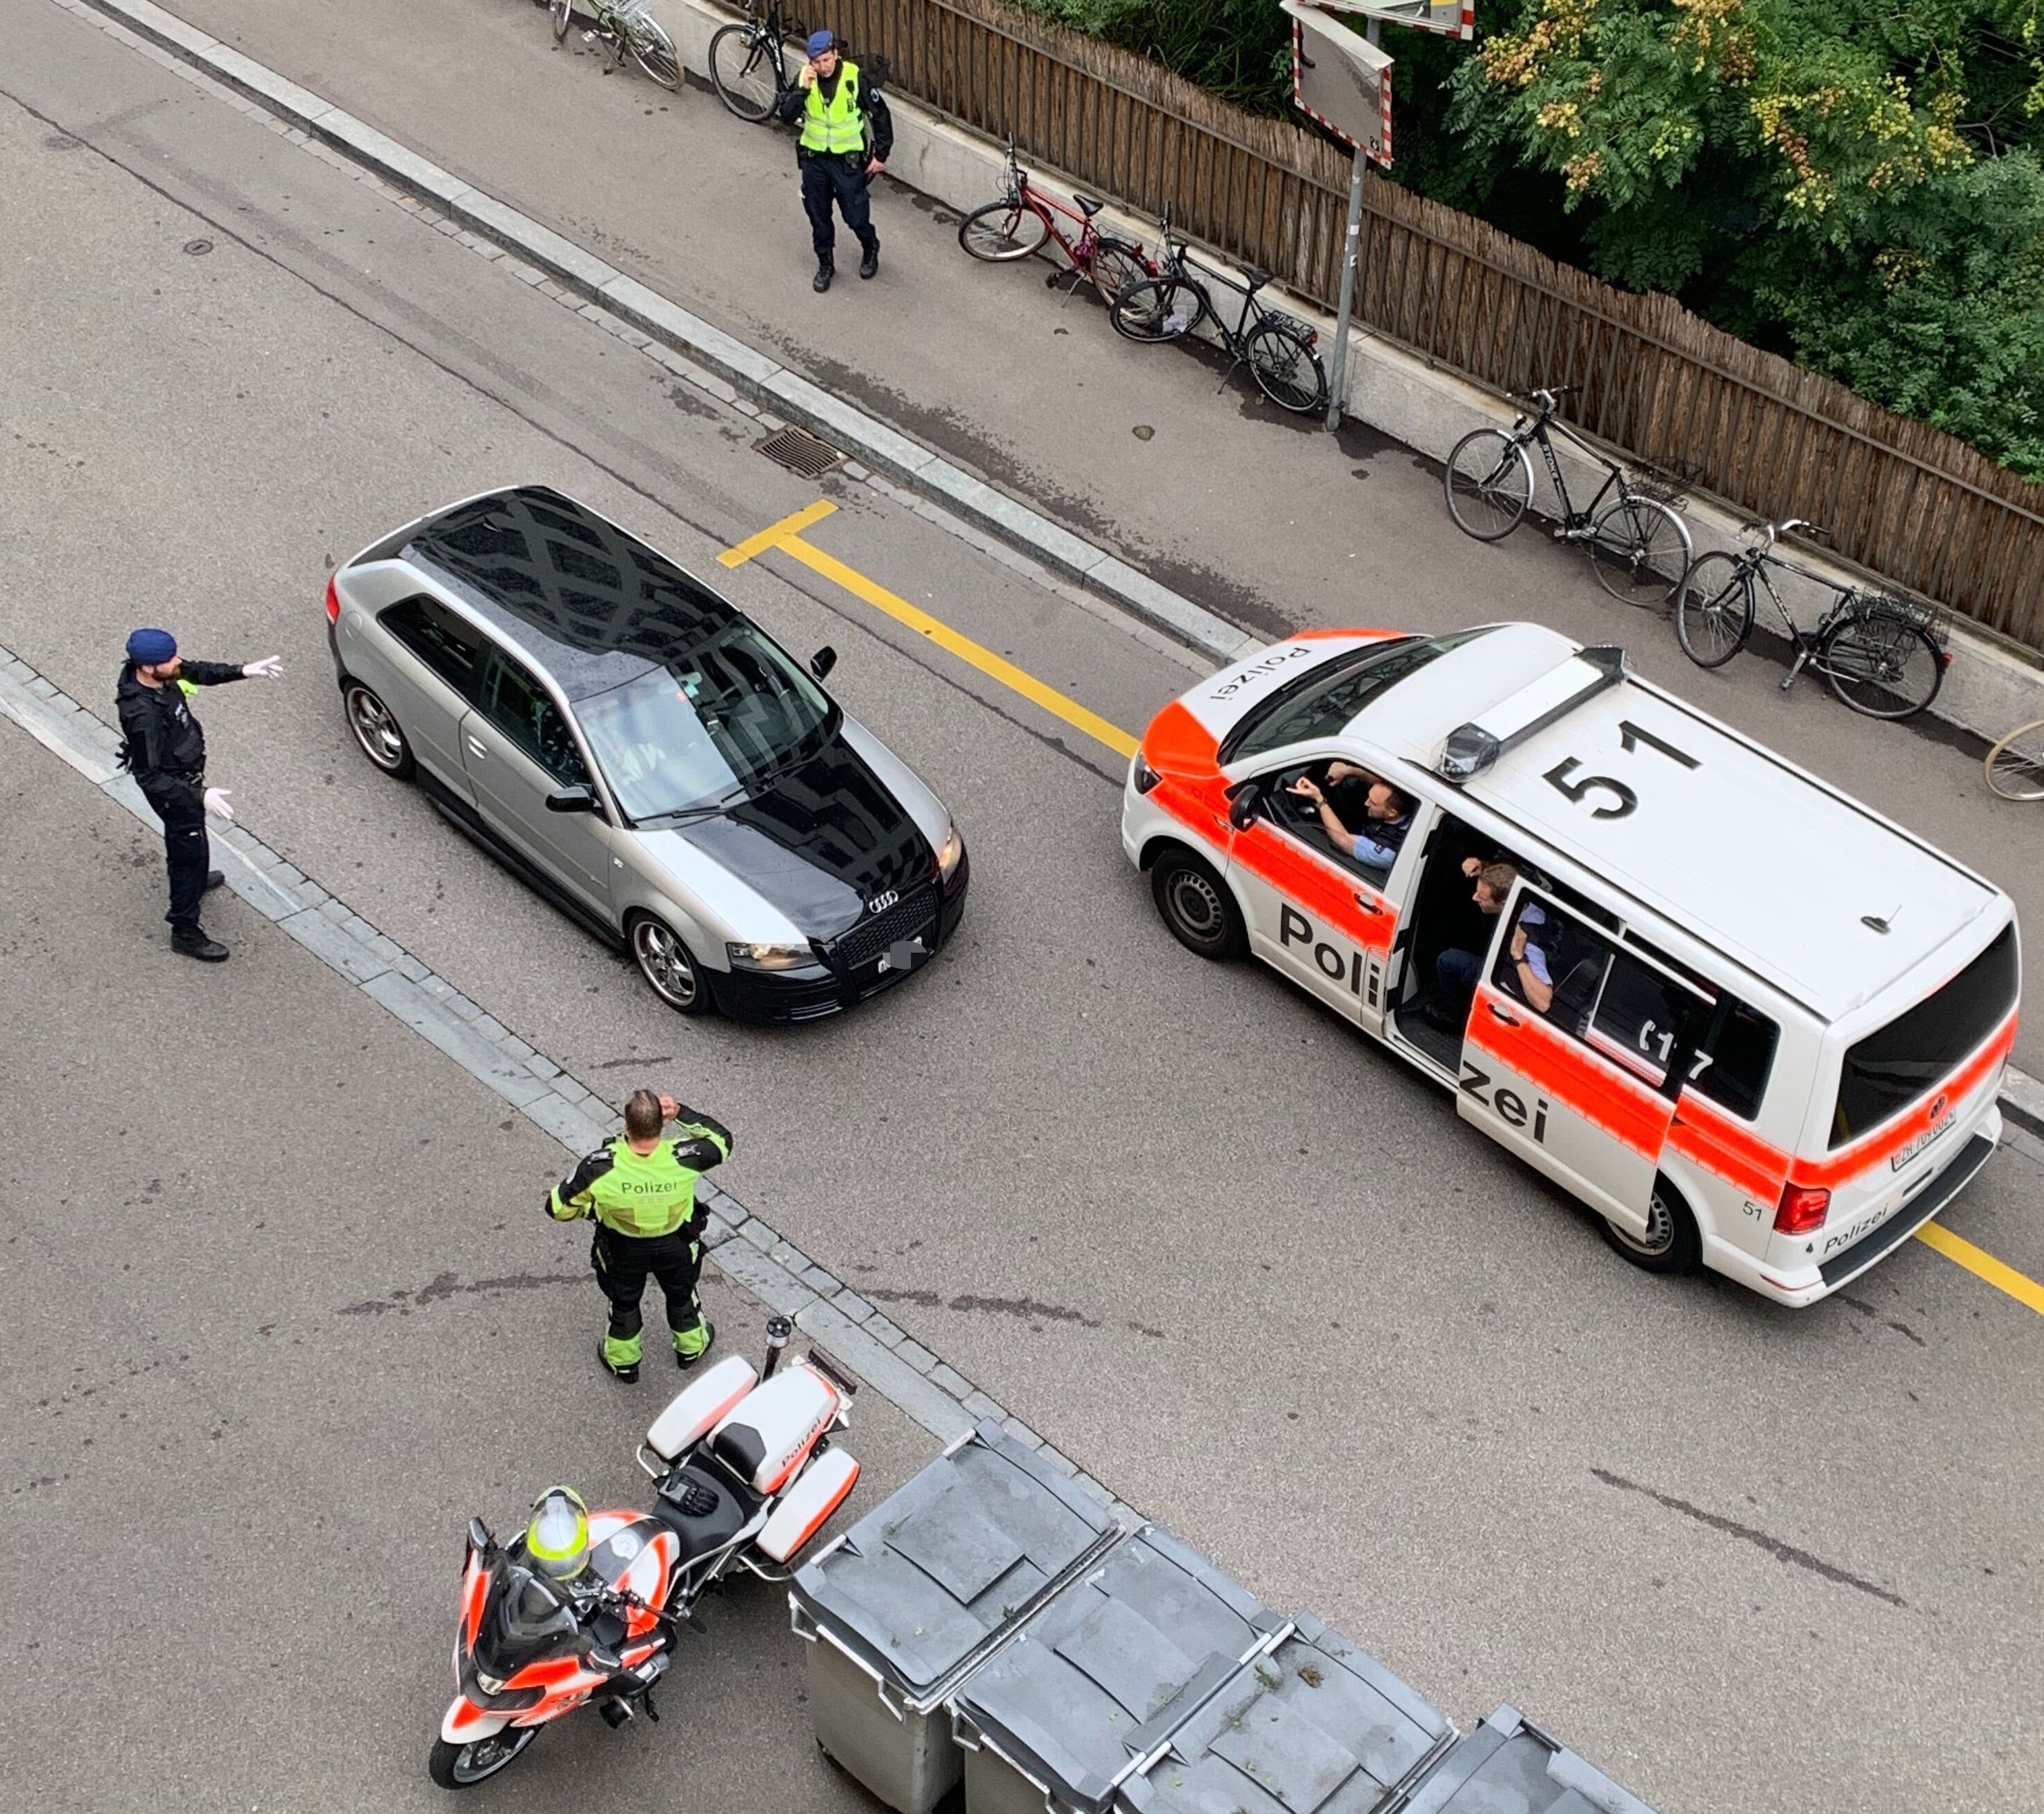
(805, 455)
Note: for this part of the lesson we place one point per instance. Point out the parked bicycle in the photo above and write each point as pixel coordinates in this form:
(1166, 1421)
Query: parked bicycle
(1277, 347)
(1640, 547)
(748, 63)
(626, 28)
(2015, 765)
(1025, 218)
(1883, 656)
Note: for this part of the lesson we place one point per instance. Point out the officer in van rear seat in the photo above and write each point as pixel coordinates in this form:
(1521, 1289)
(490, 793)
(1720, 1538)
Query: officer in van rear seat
(1530, 950)
(641, 1193)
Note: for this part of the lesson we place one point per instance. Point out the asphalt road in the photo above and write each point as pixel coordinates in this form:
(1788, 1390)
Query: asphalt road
(1252, 1273)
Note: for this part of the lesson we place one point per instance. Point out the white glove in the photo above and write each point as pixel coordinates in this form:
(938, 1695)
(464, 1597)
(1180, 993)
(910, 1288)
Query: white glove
(270, 667)
(216, 804)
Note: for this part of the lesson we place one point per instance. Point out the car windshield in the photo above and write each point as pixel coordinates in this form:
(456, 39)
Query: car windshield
(1319, 704)
(712, 725)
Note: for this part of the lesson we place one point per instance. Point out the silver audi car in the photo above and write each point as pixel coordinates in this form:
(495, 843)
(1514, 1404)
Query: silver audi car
(645, 755)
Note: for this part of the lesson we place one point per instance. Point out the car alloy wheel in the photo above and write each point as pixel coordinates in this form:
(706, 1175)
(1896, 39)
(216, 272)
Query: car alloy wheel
(377, 732)
(665, 962)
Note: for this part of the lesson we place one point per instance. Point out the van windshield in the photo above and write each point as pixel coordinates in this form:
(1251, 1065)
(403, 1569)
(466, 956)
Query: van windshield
(1909, 1057)
(1319, 703)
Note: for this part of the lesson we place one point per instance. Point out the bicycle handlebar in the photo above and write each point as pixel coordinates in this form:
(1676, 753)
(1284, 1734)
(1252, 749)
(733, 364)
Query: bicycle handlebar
(1548, 395)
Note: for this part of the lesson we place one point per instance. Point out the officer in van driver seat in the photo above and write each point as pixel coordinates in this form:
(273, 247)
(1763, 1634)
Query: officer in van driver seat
(641, 1192)
(1363, 817)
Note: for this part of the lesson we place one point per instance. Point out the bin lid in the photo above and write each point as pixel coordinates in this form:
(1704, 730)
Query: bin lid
(1115, 1662)
(924, 1580)
(1507, 1762)
(1316, 1727)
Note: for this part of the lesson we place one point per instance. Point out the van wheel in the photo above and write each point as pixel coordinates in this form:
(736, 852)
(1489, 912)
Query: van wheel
(1670, 1243)
(1197, 905)
(669, 967)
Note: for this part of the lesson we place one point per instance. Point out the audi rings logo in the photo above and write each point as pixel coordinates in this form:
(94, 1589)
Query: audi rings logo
(880, 903)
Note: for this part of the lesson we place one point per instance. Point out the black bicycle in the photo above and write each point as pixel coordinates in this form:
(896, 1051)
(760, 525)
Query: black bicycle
(748, 63)
(1640, 547)
(1277, 347)
(1885, 656)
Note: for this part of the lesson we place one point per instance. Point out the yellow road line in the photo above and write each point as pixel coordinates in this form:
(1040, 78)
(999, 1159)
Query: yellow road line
(1983, 1265)
(786, 536)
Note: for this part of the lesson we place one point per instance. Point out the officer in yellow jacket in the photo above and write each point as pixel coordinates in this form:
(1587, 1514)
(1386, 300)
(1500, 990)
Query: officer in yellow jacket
(847, 134)
(640, 1191)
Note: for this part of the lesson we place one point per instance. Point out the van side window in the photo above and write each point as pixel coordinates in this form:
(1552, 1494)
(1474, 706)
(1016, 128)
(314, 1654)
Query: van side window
(1646, 1022)
(450, 645)
(1564, 958)
(1732, 1068)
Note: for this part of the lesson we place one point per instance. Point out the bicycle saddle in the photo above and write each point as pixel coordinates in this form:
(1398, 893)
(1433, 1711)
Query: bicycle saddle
(1088, 206)
(1254, 278)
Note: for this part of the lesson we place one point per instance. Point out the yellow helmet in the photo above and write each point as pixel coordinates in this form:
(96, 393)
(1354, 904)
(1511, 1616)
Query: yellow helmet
(557, 1538)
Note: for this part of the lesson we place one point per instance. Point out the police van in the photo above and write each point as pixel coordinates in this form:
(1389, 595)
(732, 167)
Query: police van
(1751, 1022)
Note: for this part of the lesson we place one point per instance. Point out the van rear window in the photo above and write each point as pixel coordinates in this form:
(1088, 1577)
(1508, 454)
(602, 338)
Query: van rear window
(1909, 1057)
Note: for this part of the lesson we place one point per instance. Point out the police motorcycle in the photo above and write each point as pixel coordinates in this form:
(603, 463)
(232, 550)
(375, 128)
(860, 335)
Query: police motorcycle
(586, 1607)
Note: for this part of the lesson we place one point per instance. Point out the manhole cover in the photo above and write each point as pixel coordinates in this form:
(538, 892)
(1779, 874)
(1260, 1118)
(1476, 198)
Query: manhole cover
(198, 248)
(805, 455)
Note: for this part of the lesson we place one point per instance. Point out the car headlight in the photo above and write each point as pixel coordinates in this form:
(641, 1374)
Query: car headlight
(770, 957)
(950, 853)
(1141, 775)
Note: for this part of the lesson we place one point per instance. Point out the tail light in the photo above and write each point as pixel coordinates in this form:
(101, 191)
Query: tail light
(332, 603)
(1802, 1210)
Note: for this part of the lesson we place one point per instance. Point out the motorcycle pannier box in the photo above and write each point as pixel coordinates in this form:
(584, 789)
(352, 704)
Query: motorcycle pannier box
(1509, 1762)
(1092, 1689)
(1315, 1727)
(917, 1593)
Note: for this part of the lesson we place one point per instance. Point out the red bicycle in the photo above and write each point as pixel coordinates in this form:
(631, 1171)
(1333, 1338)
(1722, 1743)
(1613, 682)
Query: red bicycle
(1026, 218)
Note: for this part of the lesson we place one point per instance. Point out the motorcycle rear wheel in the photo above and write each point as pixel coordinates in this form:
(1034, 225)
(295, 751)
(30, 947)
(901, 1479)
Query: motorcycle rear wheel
(463, 1766)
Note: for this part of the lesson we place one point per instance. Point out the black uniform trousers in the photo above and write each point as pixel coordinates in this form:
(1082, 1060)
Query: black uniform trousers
(624, 1263)
(842, 180)
(187, 854)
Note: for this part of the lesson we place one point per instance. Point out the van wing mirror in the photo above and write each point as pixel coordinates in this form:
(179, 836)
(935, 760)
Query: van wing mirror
(1243, 800)
(579, 799)
(822, 661)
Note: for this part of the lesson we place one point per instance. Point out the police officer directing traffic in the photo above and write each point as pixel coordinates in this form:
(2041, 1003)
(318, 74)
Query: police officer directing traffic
(641, 1192)
(164, 750)
(847, 134)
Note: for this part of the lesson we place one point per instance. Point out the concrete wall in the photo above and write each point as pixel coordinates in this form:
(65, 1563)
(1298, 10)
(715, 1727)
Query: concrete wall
(1992, 686)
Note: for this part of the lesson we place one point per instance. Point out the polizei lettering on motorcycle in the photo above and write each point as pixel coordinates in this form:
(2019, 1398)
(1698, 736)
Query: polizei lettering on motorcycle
(1508, 1104)
(1295, 928)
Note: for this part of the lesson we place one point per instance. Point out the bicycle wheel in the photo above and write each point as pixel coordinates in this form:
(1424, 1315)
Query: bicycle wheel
(1117, 263)
(653, 50)
(743, 71)
(564, 12)
(1713, 610)
(1003, 231)
(1286, 369)
(1157, 309)
(1488, 480)
(2015, 765)
(1883, 665)
(1640, 550)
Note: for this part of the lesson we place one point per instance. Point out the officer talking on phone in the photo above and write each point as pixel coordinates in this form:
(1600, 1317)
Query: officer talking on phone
(847, 133)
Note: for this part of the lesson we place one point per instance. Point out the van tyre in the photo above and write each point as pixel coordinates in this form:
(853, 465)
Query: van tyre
(1671, 1243)
(1197, 905)
(668, 965)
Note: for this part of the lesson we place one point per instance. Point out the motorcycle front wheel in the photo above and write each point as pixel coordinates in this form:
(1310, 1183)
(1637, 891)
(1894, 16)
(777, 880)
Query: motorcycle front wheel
(463, 1766)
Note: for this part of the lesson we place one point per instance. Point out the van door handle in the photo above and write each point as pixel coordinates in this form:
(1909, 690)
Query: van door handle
(1497, 1013)
(476, 749)
(1369, 904)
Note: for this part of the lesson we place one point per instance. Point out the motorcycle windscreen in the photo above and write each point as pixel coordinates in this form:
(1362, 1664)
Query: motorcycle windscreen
(523, 1619)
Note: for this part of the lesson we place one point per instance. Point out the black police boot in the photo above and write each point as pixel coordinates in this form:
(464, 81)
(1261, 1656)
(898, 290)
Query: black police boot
(197, 943)
(826, 270)
(870, 263)
(684, 1362)
(214, 879)
(623, 1375)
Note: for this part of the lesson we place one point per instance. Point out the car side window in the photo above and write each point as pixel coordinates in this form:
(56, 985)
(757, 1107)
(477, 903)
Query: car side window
(524, 712)
(454, 648)
(1372, 857)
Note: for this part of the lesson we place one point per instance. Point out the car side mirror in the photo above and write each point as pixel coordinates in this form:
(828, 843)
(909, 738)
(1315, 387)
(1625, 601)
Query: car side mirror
(822, 661)
(579, 799)
(1242, 803)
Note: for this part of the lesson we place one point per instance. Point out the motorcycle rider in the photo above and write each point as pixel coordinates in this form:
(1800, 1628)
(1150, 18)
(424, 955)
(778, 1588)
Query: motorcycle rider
(641, 1193)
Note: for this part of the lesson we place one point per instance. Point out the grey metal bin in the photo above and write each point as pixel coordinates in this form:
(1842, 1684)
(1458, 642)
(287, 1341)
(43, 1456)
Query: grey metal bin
(1094, 1685)
(1315, 1727)
(1507, 1762)
(919, 1591)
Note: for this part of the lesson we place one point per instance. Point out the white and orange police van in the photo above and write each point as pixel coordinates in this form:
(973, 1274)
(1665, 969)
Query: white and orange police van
(1760, 1027)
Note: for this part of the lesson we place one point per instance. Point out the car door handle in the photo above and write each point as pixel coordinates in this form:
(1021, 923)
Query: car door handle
(476, 749)
(1369, 904)
(1497, 1013)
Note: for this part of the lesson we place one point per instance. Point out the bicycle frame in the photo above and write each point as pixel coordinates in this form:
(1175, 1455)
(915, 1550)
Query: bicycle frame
(1575, 522)
(1180, 264)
